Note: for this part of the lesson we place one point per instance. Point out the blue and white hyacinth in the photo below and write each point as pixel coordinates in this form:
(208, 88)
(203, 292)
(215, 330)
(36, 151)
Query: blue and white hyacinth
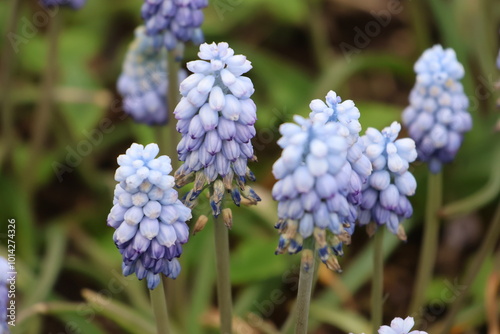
(149, 219)
(216, 118)
(437, 116)
(385, 195)
(313, 186)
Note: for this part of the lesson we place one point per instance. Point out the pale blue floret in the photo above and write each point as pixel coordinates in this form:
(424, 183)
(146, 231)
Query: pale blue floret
(176, 21)
(385, 194)
(216, 118)
(143, 82)
(347, 115)
(400, 326)
(74, 4)
(4, 298)
(313, 176)
(149, 219)
(437, 116)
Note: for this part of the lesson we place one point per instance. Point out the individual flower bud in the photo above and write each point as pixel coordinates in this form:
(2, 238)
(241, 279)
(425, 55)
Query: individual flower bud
(200, 224)
(227, 217)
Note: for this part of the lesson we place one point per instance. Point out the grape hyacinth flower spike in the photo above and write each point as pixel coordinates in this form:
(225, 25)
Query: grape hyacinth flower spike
(216, 118)
(149, 219)
(346, 114)
(385, 195)
(73, 4)
(4, 298)
(313, 176)
(143, 82)
(437, 116)
(175, 21)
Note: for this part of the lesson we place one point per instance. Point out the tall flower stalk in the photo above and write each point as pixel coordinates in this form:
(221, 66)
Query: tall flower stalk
(149, 219)
(216, 118)
(436, 119)
(385, 197)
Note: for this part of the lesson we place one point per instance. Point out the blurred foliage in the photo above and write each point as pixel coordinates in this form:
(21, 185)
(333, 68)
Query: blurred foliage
(64, 245)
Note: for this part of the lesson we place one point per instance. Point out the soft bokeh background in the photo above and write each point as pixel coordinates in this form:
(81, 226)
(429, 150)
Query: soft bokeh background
(69, 269)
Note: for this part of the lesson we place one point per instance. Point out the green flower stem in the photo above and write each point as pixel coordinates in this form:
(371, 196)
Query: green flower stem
(378, 280)
(288, 325)
(125, 317)
(481, 197)
(319, 39)
(487, 247)
(428, 250)
(5, 79)
(223, 277)
(306, 277)
(170, 135)
(159, 305)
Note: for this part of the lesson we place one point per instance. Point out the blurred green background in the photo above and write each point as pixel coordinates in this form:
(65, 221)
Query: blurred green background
(69, 277)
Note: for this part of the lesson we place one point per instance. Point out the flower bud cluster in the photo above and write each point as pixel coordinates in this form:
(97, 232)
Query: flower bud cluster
(149, 219)
(313, 176)
(216, 118)
(144, 80)
(385, 195)
(176, 21)
(437, 116)
(347, 115)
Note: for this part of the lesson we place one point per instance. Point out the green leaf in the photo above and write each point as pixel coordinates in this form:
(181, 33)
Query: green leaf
(254, 260)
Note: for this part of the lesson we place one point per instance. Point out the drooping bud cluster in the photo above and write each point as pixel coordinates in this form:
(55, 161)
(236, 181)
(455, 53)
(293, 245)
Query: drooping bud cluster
(176, 21)
(144, 80)
(385, 193)
(149, 219)
(313, 176)
(74, 4)
(216, 118)
(437, 117)
(400, 326)
(4, 297)
(347, 115)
